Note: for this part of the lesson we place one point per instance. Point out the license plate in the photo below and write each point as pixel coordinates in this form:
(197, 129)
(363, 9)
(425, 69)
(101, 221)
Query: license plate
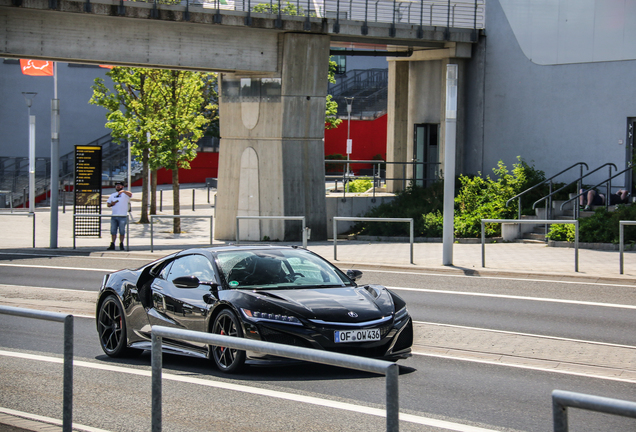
(341, 336)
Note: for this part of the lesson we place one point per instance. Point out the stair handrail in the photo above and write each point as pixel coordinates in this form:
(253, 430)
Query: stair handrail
(607, 181)
(543, 182)
(578, 180)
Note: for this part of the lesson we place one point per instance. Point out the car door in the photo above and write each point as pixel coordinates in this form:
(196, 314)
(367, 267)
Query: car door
(183, 307)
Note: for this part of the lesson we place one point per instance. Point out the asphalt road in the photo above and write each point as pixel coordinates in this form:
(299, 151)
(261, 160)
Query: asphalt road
(459, 392)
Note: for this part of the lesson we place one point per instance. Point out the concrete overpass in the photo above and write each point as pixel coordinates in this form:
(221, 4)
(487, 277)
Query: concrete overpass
(273, 85)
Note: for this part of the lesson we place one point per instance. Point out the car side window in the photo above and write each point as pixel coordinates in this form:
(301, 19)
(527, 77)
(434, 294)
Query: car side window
(192, 265)
(165, 271)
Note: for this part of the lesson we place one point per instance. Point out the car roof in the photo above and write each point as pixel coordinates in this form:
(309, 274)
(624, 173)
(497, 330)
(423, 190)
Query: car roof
(234, 247)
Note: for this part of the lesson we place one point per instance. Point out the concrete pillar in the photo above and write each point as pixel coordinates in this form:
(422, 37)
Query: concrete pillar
(417, 96)
(397, 123)
(279, 121)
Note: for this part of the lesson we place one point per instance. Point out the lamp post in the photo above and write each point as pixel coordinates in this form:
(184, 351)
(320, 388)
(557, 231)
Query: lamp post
(450, 135)
(28, 97)
(349, 101)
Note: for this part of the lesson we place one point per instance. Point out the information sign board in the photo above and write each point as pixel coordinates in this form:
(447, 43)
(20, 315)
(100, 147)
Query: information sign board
(88, 189)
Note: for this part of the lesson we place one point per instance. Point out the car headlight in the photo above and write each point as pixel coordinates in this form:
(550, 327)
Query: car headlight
(266, 316)
(401, 314)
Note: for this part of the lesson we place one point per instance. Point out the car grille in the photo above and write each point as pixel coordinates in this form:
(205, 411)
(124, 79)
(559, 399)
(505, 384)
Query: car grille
(271, 335)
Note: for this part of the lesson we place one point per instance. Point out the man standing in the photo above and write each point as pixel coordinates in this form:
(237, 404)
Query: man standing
(118, 201)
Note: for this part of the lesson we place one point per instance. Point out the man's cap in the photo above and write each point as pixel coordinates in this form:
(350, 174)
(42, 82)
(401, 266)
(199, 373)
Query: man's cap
(119, 182)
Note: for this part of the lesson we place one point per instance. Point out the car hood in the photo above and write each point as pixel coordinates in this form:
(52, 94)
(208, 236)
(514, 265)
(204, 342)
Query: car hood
(333, 304)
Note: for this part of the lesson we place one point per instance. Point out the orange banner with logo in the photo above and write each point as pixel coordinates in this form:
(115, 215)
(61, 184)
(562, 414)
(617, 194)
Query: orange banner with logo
(36, 67)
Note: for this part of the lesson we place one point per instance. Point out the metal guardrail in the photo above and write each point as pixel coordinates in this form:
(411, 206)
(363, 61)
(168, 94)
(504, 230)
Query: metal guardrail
(368, 219)
(23, 214)
(304, 232)
(466, 14)
(67, 404)
(152, 217)
(621, 240)
(533, 222)
(561, 400)
(389, 369)
(76, 215)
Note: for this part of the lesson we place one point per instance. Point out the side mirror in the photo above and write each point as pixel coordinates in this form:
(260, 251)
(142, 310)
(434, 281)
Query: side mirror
(354, 275)
(186, 282)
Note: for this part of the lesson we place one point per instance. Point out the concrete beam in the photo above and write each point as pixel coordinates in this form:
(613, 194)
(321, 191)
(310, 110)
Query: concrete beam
(121, 41)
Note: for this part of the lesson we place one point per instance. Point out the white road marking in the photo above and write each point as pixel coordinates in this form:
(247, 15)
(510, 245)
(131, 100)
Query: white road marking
(458, 427)
(511, 297)
(57, 267)
(47, 288)
(29, 416)
(527, 334)
(500, 278)
(521, 366)
(127, 258)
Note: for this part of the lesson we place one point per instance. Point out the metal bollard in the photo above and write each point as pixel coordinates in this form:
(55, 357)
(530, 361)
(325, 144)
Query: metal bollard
(192, 199)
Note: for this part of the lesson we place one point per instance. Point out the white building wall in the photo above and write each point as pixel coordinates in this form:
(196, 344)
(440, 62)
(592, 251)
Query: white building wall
(550, 115)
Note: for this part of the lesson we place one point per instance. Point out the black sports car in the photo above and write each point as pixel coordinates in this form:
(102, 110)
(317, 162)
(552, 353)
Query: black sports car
(285, 295)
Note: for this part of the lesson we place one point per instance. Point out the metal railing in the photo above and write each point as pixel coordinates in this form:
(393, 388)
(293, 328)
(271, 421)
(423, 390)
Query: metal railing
(152, 217)
(549, 182)
(607, 181)
(304, 230)
(465, 14)
(389, 369)
(579, 182)
(621, 240)
(89, 215)
(368, 219)
(534, 222)
(561, 400)
(67, 403)
(23, 214)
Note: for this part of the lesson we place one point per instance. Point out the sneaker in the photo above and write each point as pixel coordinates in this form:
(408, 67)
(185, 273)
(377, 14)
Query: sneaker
(586, 208)
(121, 246)
(111, 247)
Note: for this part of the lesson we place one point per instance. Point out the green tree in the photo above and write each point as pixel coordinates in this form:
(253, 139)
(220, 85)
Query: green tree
(163, 113)
(331, 121)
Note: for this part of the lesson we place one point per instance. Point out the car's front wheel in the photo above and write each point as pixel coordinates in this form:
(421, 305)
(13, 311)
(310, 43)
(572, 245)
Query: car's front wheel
(111, 327)
(228, 360)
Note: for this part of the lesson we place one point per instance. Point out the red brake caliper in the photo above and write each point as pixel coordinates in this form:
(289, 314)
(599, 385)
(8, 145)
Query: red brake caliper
(222, 348)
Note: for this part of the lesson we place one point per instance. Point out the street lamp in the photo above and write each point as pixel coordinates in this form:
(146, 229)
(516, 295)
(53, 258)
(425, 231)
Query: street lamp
(349, 101)
(28, 97)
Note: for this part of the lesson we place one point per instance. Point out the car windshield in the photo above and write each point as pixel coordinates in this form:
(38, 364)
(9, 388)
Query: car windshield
(284, 268)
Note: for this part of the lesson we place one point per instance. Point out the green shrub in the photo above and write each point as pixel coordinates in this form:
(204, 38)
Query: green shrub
(602, 226)
(476, 198)
(485, 198)
(561, 232)
(359, 185)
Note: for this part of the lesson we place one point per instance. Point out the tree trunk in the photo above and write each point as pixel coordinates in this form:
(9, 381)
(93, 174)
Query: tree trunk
(175, 200)
(144, 188)
(153, 194)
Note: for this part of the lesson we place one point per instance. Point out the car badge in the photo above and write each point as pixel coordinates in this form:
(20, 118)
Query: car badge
(353, 314)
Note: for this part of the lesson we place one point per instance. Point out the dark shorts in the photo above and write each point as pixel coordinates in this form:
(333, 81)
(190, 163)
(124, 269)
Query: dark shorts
(118, 223)
(597, 200)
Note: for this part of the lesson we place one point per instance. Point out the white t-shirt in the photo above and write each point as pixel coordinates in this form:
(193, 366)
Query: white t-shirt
(120, 208)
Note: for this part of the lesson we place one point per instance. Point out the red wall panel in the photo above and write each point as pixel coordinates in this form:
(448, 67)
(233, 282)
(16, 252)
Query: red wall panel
(369, 140)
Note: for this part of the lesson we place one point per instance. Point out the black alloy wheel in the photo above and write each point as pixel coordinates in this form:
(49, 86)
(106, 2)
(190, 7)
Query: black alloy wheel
(111, 327)
(228, 360)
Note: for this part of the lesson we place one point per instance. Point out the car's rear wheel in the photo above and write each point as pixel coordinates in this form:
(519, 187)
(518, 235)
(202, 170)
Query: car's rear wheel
(228, 360)
(111, 327)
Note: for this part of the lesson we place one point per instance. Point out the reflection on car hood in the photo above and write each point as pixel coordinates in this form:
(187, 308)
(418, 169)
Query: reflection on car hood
(333, 304)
